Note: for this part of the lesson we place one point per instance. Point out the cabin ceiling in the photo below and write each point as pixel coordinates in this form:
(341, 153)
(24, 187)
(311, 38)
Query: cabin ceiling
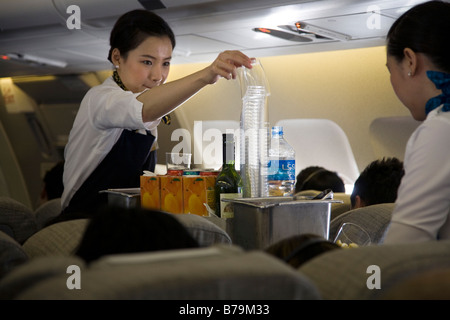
(37, 30)
(203, 28)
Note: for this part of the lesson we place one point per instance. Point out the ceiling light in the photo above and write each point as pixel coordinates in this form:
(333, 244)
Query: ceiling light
(34, 60)
(303, 26)
(283, 35)
(24, 79)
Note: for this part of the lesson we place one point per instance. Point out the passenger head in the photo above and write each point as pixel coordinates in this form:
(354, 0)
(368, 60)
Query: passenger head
(53, 183)
(417, 43)
(133, 27)
(299, 249)
(115, 230)
(377, 183)
(318, 178)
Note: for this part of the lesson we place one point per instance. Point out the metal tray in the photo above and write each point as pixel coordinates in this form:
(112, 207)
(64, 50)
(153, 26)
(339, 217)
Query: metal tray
(127, 197)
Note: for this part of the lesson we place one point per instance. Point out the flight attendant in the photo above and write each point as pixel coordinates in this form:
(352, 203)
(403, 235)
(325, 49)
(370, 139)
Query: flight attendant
(116, 126)
(419, 62)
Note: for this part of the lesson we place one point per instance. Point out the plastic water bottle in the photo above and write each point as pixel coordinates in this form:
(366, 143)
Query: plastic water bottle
(281, 165)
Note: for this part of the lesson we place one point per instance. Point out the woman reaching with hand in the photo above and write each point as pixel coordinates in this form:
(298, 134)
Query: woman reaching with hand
(114, 135)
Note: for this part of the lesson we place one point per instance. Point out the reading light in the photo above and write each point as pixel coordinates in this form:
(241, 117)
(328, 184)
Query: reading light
(303, 26)
(30, 59)
(282, 34)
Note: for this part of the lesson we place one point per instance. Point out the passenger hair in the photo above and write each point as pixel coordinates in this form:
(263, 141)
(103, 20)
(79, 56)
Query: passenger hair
(319, 178)
(425, 28)
(117, 230)
(133, 27)
(379, 182)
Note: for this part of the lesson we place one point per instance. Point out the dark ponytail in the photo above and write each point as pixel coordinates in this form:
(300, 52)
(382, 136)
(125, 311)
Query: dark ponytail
(132, 28)
(425, 28)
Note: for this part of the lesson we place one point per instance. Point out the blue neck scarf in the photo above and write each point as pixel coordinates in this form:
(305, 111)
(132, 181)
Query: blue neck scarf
(442, 81)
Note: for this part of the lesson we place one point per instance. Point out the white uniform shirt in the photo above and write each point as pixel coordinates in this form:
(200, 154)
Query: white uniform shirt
(423, 202)
(103, 114)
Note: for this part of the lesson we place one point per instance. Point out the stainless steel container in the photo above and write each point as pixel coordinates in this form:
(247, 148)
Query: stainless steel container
(260, 222)
(127, 198)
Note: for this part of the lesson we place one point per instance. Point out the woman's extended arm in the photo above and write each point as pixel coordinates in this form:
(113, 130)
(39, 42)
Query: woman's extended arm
(162, 99)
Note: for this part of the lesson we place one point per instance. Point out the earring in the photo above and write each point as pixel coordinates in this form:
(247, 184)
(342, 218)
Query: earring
(409, 74)
(117, 66)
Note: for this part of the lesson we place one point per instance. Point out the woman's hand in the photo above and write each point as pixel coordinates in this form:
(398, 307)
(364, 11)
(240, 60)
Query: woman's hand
(162, 99)
(226, 64)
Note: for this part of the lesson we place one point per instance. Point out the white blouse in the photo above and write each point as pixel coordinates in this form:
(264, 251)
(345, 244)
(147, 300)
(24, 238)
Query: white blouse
(423, 202)
(105, 111)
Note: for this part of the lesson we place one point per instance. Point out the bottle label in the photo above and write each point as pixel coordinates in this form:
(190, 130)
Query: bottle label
(281, 170)
(227, 207)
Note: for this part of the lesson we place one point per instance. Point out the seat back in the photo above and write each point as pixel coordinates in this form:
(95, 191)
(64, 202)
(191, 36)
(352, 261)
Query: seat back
(218, 273)
(350, 274)
(11, 254)
(374, 219)
(63, 238)
(389, 135)
(12, 181)
(16, 219)
(321, 142)
(48, 210)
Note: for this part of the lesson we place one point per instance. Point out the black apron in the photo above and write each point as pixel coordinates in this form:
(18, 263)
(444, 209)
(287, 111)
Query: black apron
(121, 168)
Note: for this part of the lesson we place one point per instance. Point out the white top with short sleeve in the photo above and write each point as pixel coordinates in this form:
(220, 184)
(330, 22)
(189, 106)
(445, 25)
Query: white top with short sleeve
(105, 111)
(423, 202)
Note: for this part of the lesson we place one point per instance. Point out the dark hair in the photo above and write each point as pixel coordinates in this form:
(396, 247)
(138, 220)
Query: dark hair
(425, 28)
(318, 178)
(53, 181)
(379, 182)
(132, 28)
(298, 249)
(115, 230)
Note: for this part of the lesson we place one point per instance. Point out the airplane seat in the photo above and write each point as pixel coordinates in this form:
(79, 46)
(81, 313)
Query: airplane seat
(16, 219)
(60, 239)
(214, 273)
(63, 238)
(321, 142)
(48, 210)
(11, 254)
(389, 135)
(208, 142)
(12, 180)
(375, 219)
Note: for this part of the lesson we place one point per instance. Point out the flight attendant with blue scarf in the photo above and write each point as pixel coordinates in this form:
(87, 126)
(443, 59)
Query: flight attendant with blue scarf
(418, 52)
(114, 135)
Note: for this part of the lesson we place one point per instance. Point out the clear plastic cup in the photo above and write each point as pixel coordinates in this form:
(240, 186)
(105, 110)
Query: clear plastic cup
(177, 162)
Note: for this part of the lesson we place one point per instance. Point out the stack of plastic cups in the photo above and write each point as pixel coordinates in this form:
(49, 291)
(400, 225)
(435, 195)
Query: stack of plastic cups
(254, 130)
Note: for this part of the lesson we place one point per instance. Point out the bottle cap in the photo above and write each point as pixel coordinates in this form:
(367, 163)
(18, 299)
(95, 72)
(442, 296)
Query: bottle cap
(277, 130)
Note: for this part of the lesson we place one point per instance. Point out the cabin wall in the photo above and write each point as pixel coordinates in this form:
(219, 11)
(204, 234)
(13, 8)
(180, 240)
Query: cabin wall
(350, 87)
